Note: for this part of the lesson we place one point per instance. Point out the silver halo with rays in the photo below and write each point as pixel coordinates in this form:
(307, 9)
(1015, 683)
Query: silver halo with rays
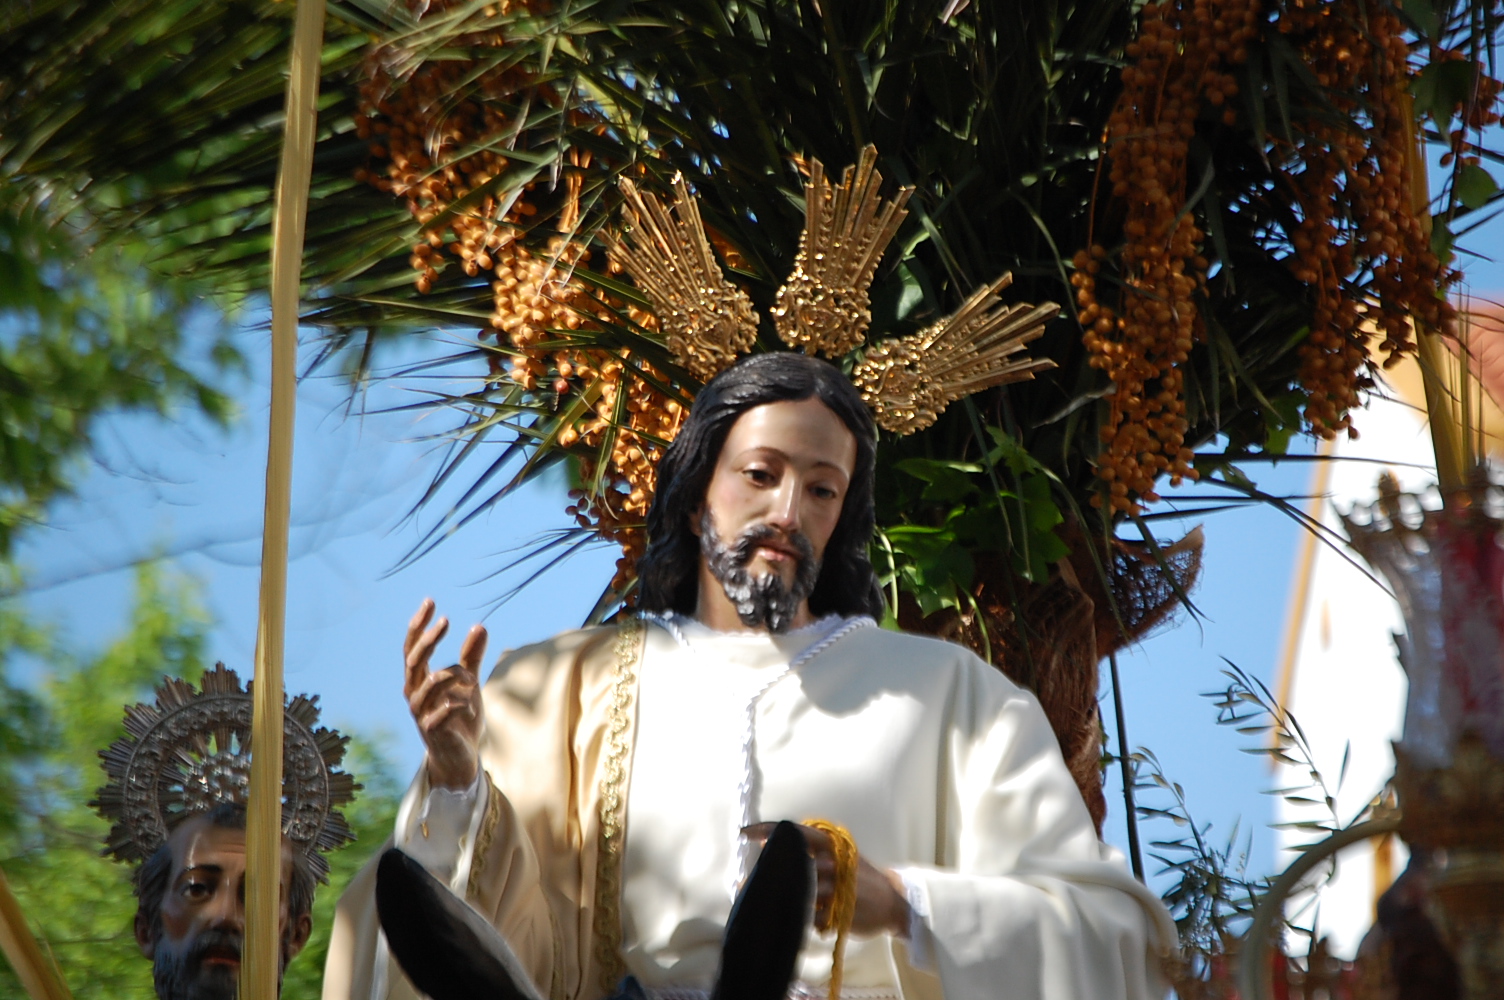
(190, 752)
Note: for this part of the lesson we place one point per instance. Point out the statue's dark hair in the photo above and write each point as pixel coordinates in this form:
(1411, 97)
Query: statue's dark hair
(668, 575)
(154, 876)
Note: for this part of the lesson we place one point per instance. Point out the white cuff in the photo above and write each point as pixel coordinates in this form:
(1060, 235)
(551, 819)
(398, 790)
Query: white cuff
(437, 827)
(919, 940)
(438, 830)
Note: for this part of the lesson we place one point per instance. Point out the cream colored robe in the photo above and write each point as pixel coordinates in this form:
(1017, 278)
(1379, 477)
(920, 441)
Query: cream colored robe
(1024, 900)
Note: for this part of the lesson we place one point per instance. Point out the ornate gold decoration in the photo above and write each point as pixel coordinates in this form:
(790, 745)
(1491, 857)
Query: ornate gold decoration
(908, 382)
(823, 307)
(705, 319)
(613, 807)
(483, 837)
(191, 752)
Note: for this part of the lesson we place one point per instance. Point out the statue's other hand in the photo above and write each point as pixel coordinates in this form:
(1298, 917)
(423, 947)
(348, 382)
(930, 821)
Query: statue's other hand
(882, 904)
(445, 703)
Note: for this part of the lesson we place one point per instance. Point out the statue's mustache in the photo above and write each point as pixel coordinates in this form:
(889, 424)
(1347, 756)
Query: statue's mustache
(747, 542)
(224, 942)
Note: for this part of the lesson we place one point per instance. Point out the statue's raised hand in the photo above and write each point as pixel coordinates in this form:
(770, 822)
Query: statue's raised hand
(445, 703)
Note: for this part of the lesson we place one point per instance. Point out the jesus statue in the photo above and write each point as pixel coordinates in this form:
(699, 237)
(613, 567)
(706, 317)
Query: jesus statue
(602, 795)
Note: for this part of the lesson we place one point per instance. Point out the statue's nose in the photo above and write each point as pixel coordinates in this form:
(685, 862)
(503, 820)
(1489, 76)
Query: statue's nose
(785, 511)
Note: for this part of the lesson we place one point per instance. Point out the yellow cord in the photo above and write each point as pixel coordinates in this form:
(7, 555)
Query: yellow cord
(843, 900)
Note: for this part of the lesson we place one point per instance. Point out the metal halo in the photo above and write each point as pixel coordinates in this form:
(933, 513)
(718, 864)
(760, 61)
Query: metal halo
(190, 752)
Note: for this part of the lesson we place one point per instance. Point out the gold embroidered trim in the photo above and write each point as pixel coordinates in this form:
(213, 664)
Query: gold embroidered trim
(483, 837)
(613, 809)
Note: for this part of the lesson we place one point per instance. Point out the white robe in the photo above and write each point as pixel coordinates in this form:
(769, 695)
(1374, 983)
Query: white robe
(941, 768)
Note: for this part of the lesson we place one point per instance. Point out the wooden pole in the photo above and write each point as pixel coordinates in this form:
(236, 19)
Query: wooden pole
(39, 977)
(261, 959)
(1448, 425)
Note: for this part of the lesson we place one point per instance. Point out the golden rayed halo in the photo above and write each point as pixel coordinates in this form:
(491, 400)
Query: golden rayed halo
(908, 382)
(824, 307)
(705, 319)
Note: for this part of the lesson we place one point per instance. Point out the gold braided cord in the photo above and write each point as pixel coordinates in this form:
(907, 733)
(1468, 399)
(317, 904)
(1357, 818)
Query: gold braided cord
(705, 319)
(843, 900)
(824, 306)
(908, 382)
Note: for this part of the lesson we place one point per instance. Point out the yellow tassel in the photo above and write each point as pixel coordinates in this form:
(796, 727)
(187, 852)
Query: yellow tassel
(843, 900)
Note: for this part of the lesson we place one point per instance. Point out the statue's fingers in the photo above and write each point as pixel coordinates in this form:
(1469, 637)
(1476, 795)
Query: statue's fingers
(416, 625)
(819, 844)
(434, 719)
(452, 684)
(422, 652)
(473, 650)
(758, 833)
(824, 898)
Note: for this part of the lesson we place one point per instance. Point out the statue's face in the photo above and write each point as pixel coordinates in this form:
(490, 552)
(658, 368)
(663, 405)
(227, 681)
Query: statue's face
(773, 502)
(197, 954)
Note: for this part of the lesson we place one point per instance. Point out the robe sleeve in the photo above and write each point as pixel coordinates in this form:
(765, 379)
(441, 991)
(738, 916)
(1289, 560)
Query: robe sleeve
(468, 834)
(1024, 893)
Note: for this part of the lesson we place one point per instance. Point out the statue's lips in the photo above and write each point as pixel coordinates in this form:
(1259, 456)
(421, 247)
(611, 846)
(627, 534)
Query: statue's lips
(221, 955)
(775, 554)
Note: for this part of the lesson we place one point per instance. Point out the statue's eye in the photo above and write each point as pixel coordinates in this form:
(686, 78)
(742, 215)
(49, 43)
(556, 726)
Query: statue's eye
(197, 889)
(762, 477)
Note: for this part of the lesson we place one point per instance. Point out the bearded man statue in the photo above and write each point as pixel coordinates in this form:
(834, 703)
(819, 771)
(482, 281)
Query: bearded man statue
(178, 782)
(602, 795)
(190, 906)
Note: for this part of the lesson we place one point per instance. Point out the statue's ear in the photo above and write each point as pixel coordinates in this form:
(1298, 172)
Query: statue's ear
(298, 935)
(766, 929)
(144, 938)
(447, 949)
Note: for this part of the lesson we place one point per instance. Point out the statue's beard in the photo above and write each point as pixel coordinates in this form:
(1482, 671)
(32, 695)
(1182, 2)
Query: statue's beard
(761, 600)
(182, 975)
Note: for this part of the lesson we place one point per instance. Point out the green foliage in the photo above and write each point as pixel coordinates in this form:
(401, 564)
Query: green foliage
(1475, 186)
(1213, 896)
(1448, 91)
(80, 902)
(938, 512)
(23, 732)
(84, 329)
(162, 119)
(372, 816)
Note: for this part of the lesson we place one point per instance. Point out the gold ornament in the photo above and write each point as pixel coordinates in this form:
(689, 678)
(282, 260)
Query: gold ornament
(705, 319)
(824, 307)
(908, 382)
